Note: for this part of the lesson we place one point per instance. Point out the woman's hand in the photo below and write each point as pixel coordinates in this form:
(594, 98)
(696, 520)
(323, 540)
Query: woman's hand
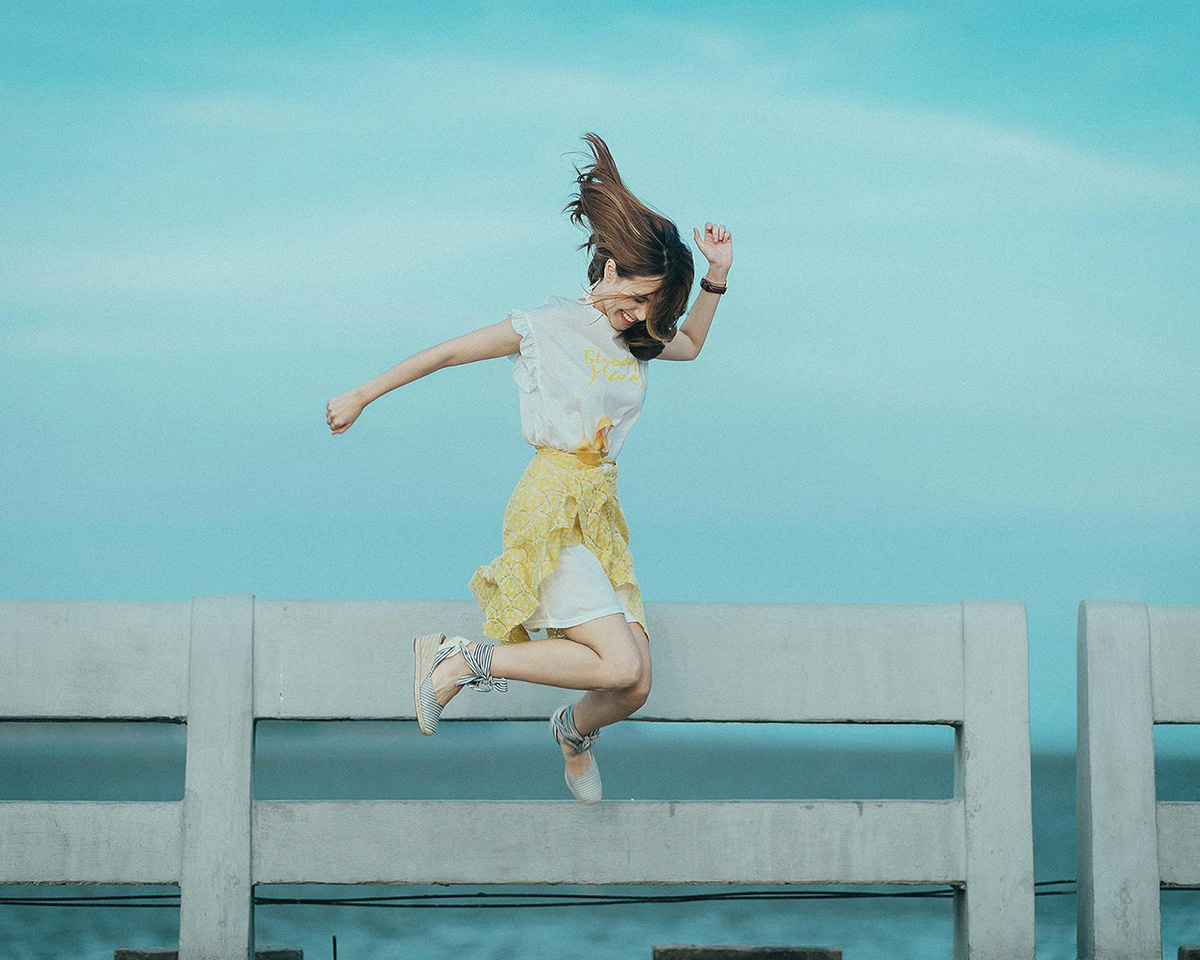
(716, 245)
(343, 410)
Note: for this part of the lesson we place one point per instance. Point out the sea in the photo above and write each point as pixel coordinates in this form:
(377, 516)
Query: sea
(518, 761)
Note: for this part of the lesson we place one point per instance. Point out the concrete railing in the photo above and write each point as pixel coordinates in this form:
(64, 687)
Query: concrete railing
(1137, 666)
(221, 662)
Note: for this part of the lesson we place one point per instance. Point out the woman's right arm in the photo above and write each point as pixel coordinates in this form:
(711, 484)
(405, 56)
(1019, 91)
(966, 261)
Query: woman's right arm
(496, 340)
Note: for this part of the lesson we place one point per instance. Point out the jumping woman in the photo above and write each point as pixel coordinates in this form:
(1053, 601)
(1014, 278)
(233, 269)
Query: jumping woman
(581, 368)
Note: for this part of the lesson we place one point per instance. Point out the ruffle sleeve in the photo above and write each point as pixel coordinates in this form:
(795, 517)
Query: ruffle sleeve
(525, 361)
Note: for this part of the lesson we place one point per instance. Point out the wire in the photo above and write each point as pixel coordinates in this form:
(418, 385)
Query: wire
(437, 900)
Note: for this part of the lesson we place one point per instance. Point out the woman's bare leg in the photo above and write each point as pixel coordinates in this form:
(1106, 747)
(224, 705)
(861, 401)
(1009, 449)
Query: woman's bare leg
(598, 655)
(608, 657)
(599, 708)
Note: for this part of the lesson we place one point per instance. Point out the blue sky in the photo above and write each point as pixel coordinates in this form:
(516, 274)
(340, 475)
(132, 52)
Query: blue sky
(957, 358)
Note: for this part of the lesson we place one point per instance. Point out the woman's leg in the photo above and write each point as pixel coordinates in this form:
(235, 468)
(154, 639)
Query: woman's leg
(601, 654)
(608, 656)
(598, 708)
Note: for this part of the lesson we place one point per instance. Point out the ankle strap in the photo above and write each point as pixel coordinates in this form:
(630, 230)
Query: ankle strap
(480, 662)
(570, 733)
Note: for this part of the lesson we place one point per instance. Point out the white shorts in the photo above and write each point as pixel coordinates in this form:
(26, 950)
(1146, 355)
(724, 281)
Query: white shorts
(576, 591)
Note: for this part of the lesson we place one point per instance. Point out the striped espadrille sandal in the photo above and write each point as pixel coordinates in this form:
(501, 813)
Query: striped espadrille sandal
(428, 652)
(586, 786)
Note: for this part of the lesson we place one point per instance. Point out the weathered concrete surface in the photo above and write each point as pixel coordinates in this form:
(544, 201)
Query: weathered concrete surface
(993, 913)
(1174, 655)
(630, 841)
(1116, 837)
(81, 841)
(91, 659)
(216, 888)
(1178, 828)
(715, 661)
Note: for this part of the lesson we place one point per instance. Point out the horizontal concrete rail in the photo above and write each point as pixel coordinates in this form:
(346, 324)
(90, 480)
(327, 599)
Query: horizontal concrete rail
(1137, 666)
(1178, 832)
(94, 659)
(712, 661)
(75, 841)
(220, 663)
(462, 841)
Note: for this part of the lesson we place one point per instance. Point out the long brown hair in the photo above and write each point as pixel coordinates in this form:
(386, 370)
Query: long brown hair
(642, 242)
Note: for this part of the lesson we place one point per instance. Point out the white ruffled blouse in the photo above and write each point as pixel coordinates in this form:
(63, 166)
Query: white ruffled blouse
(573, 370)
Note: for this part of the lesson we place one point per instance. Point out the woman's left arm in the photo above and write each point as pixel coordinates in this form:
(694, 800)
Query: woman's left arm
(717, 247)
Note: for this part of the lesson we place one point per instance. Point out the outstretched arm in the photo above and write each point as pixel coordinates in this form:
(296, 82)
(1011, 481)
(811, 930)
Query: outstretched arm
(496, 340)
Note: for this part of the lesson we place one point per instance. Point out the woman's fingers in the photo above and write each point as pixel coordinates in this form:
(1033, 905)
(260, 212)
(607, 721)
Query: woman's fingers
(713, 232)
(342, 411)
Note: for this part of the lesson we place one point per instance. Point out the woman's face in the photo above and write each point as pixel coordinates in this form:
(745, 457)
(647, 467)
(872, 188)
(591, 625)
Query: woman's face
(625, 301)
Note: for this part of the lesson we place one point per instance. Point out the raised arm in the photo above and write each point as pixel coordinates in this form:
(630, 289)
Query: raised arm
(496, 340)
(717, 247)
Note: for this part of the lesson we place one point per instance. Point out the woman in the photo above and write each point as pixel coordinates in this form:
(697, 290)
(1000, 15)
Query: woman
(581, 368)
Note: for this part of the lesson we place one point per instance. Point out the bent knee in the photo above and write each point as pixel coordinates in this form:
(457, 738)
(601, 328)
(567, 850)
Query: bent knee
(624, 674)
(636, 688)
(636, 694)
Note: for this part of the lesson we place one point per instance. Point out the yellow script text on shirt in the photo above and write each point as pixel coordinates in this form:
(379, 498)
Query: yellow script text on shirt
(608, 369)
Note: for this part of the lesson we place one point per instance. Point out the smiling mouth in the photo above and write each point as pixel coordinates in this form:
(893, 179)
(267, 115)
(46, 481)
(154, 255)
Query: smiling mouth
(628, 320)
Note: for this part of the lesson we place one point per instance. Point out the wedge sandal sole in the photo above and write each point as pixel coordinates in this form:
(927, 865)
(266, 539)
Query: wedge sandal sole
(424, 651)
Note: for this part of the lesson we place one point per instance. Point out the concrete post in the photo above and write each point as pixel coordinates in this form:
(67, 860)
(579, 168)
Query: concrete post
(216, 909)
(1116, 842)
(993, 913)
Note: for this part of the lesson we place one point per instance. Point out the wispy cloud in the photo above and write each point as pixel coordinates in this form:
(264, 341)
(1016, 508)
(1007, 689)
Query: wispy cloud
(244, 254)
(381, 96)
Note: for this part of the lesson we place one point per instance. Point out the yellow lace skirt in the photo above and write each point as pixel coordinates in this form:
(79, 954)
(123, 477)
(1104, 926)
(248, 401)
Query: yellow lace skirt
(560, 499)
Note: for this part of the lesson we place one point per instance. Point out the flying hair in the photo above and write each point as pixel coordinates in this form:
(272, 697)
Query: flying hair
(642, 242)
